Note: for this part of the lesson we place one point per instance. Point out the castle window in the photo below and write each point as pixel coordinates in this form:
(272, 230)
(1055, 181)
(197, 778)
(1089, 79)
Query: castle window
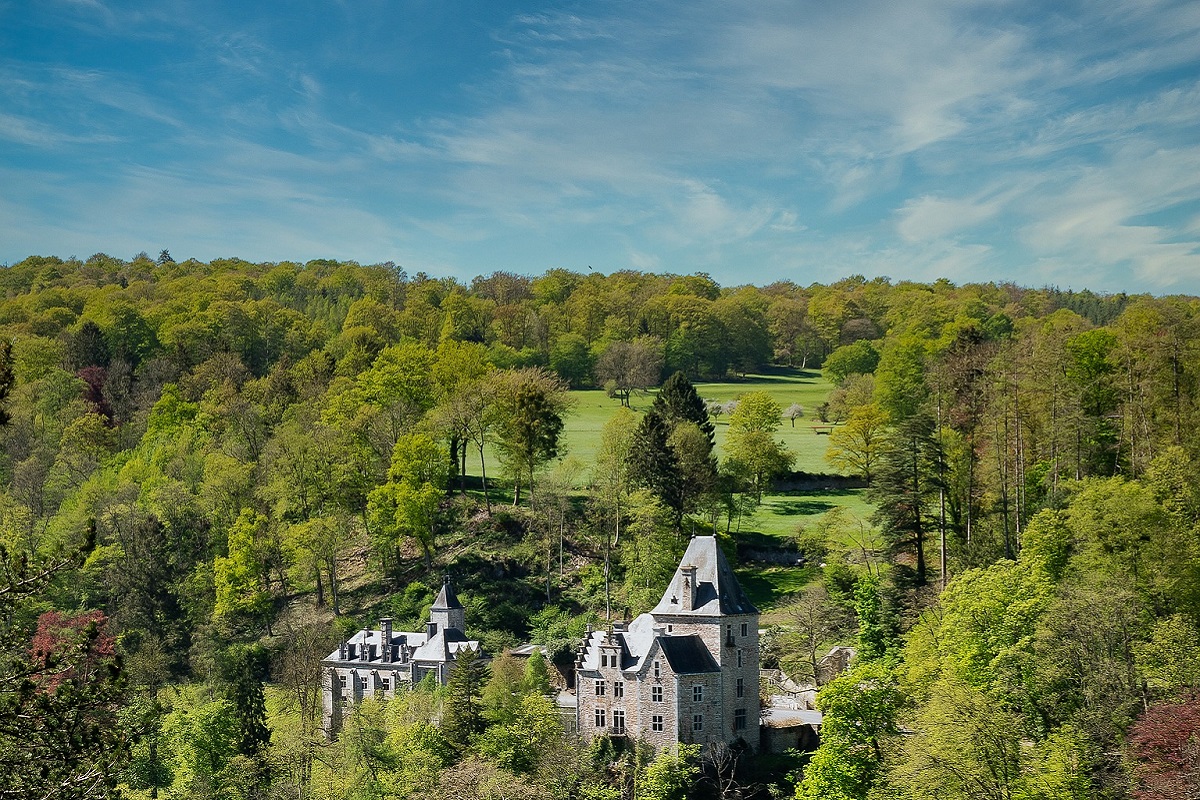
(656, 723)
(745, 629)
(342, 678)
(741, 687)
(739, 719)
(619, 720)
(600, 687)
(656, 694)
(698, 693)
(697, 722)
(604, 659)
(599, 717)
(657, 670)
(618, 688)
(739, 658)
(387, 683)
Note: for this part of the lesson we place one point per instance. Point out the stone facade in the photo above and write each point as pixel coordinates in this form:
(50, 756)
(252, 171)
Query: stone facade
(685, 672)
(376, 663)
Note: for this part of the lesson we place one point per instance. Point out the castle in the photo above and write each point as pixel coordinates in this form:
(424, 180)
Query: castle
(377, 663)
(685, 672)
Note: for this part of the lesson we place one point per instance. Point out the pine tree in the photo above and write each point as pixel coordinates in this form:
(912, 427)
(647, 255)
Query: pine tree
(906, 489)
(245, 667)
(462, 717)
(677, 401)
(654, 465)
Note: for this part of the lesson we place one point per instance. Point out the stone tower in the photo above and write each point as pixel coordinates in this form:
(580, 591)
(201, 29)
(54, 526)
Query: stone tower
(685, 672)
(447, 612)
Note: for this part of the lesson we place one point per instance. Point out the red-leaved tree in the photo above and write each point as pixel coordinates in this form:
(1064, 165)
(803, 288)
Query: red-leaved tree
(1165, 744)
(71, 649)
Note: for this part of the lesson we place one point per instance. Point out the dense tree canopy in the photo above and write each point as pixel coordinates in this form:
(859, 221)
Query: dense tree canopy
(206, 464)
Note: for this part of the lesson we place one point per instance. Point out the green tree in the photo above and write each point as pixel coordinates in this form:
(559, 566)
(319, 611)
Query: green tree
(406, 506)
(571, 359)
(677, 401)
(671, 775)
(653, 463)
(900, 387)
(462, 714)
(906, 489)
(503, 691)
(859, 358)
(966, 746)
(859, 716)
(529, 408)
(754, 454)
(855, 447)
(244, 669)
(519, 745)
(240, 578)
(7, 379)
(536, 678)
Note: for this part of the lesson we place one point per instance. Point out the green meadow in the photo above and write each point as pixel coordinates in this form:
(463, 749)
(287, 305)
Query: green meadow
(581, 434)
(778, 518)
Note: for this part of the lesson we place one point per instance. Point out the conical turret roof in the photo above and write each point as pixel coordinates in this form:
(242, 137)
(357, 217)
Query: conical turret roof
(717, 591)
(446, 599)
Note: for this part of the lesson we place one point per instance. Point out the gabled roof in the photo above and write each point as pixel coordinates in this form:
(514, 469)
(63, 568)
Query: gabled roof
(446, 599)
(687, 655)
(443, 646)
(717, 590)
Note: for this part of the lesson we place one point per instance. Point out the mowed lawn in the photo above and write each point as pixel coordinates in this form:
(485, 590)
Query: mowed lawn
(581, 433)
(778, 517)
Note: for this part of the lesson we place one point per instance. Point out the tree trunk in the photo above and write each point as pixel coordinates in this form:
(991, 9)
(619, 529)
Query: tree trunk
(333, 587)
(487, 500)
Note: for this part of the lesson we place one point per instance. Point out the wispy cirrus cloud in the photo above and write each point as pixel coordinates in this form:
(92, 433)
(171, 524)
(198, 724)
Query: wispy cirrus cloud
(981, 140)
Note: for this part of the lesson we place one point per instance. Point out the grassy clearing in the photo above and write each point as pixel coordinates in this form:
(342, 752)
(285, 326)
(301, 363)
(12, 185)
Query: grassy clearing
(778, 517)
(781, 515)
(769, 587)
(581, 433)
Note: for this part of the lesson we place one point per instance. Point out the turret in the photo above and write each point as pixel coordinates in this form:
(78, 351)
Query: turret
(447, 612)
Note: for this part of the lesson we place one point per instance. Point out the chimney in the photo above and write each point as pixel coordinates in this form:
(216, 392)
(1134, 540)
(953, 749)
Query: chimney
(342, 652)
(689, 586)
(385, 628)
(430, 629)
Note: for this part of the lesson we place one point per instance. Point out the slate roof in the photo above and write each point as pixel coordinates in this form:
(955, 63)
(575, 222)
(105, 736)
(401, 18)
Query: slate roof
(687, 655)
(446, 599)
(717, 589)
(367, 638)
(444, 645)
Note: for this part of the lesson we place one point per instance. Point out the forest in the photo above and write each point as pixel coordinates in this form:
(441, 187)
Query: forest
(212, 472)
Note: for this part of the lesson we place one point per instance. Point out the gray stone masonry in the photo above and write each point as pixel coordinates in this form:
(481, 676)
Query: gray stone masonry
(685, 672)
(375, 663)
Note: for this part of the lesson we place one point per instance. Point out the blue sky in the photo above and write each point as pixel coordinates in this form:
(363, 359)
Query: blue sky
(1041, 143)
